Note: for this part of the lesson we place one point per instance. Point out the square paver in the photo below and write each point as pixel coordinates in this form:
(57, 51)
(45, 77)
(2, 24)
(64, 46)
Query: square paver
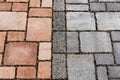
(59, 5)
(95, 42)
(80, 21)
(108, 20)
(13, 20)
(20, 53)
(80, 67)
(76, 1)
(115, 36)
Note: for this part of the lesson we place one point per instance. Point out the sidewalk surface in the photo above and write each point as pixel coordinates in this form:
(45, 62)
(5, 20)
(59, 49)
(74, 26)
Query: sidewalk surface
(59, 39)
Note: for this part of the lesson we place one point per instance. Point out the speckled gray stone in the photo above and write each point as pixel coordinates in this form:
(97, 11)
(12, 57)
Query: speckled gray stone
(59, 5)
(97, 7)
(76, 1)
(104, 59)
(80, 21)
(59, 42)
(102, 73)
(95, 42)
(72, 42)
(58, 21)
(115, 36)
(80, 67)
(59, 66)
(117, 52)
(113, 6)
(114, 71)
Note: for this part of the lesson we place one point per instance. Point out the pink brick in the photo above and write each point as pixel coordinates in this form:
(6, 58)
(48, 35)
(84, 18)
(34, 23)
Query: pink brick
(17, 0)
(2, 40)
(20, 6)
(0, 59)
(46, 3)
(34, 3)
(5, 6)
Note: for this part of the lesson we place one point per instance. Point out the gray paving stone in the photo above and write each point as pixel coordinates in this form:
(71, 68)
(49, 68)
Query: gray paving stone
(76, 1)
(117, 52)
(72, 42)
(59, 66)
(93, 0)
(80, 21)
(113, 6)
(115, 36)
(95, 42)
(114, 71)
(59, 5)
(58, 21)
(59, 42)
(77, 7)
(81, 67)
(110, 0)
(102, 73)
(108, 20)
(104, 59)
(97, 7)
(114, 79)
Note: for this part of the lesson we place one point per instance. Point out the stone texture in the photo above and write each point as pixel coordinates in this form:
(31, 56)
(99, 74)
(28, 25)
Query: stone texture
(59, 42)
(117, 52)
(102, 73)
(81, 67)
(44, 70)
(59, 66)
(40, 12)
(97, 7)
(44, 51)
(115, 36)
(20, 53)
(35, 3)
(108, 20)
(46, 3)
(13, 20)
(41, 27)
(77, 7)
(72, 42)
(26, 72)
(77, 1)
(114, 71)
(78, 21)
(2, 40)
(58, 21)
(113, 6)
(59, 5)
(16, 36)
(5, 6)
(104, 59)
(19, 6)
(17, 0)
(89, 39)
(10, 71)
(109, 0)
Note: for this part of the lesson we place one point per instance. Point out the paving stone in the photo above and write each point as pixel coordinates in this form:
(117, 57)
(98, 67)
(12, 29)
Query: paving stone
(80, 21)
(17, 0)
(104, 59)
(58, 21)
(41, 27)
(117, 52)
(5, 6)
(59, 42)
(113, 6)
(44, 51)
(110, 0)
(81, 67)
(93, 0)
(77, 1)
(0, 59)
(72, 42)
(115, 36)
(77, 7)
(102, 73)
(20, 53)
(114, 71)
(7, 72)
(59, 66)
(59, 5)
(2, 40)
(95, 42)
(108, 20)
(114, 79)
(97, 7)
(14, 20)
(26, 72)
(46, 3)
(35, 3)
(44, 70)
(20, 6)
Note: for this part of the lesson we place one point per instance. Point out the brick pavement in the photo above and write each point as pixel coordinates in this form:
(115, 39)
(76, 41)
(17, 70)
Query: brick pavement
(86, 40)
(25, 39)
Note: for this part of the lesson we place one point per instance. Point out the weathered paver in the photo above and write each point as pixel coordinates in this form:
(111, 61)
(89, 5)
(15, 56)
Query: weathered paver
(80, 67)
(77, 1)
(97, 7)
(115, 36)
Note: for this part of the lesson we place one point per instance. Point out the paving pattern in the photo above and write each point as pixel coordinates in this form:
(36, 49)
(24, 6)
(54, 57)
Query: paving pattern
(86, 40)
(25, 39)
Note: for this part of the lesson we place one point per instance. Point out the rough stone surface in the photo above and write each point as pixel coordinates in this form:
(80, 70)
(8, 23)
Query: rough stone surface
(59, 5)
(115, 36)
(97, 7)
(77, 1)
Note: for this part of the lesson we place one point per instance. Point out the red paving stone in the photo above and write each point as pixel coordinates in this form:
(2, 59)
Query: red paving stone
(25, 39)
